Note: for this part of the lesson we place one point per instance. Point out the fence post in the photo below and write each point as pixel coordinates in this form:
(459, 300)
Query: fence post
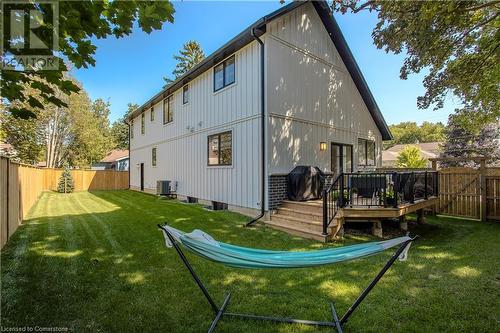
(8, 200)
(483, 188)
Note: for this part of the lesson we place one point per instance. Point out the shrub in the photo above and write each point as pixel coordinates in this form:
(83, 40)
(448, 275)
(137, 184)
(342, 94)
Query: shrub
(65, 184)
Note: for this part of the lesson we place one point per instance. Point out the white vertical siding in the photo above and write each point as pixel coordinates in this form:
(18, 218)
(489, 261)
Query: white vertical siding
(310, 95)
(182, 144)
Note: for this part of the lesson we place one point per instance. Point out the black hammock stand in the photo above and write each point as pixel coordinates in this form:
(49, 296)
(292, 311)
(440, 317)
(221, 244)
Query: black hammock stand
(336, 324)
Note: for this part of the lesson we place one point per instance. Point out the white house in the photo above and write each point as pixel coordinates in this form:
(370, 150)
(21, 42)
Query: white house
(116, 159)
(284, 92)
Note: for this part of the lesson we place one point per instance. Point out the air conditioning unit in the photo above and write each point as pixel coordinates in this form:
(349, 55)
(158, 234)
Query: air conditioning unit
(163, 187)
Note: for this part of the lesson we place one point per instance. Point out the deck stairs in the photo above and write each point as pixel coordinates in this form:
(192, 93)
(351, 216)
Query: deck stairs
(304, 219)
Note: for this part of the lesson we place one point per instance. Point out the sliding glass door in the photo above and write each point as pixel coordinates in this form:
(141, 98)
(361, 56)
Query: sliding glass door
(341, 159)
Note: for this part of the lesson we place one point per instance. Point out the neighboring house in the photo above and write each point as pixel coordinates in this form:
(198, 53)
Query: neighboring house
(7, 150)
(115, 160)
(427, 150)
(204, 130)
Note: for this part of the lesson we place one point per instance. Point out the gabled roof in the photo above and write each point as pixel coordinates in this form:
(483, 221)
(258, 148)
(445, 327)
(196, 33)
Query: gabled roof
(115, 155)
(427, 149)
(5, 146)
(245, 37)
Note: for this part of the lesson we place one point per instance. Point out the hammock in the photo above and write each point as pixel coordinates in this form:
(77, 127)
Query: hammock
(207, 247)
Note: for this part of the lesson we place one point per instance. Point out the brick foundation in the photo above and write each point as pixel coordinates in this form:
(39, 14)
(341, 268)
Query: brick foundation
(278, 188)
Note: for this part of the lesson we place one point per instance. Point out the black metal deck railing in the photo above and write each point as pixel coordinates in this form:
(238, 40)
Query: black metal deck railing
(376, 189)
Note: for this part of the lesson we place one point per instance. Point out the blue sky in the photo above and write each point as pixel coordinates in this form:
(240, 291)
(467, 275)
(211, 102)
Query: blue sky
(131, 69)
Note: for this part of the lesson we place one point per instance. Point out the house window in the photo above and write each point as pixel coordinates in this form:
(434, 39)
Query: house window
(366, 152)
(224, 74)
(153, 157)
(168, 110)
(220, 149)
(153, 114)
(185, 94)
(143, 125)
(132, 128)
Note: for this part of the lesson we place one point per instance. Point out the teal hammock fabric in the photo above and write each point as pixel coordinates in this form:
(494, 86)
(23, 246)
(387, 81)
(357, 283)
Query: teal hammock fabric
(207, 247)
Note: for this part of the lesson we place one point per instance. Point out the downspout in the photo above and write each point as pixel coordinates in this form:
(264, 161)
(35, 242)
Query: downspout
(129, 160)
(263, 127)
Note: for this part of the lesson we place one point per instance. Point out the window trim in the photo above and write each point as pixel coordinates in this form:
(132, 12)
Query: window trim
(143, 123)
(154, 162)
(223, 63)
(152, 114)
(168, 99)
(218, 149)
(365, 143)
(184, 101)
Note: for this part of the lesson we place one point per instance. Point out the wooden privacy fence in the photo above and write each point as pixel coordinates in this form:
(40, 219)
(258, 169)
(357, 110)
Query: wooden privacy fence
(470, 193)
(88, 180)
(21, 186)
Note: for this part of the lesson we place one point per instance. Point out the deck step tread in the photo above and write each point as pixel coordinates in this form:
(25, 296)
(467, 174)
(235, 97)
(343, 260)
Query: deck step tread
(301, 220)
(297, 231)
(305, 203)
(299, 212)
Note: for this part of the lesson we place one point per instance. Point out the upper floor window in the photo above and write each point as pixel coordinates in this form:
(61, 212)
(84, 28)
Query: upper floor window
(143, 125)
(168, 110)
(132, 128)
(224, 74)
(185, 94)
(220, 149)
(152, 114)
(366, 152)
(153, 156)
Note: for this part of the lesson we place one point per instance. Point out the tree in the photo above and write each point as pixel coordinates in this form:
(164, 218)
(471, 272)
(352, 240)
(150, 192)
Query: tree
(65, 184)
(432, 132)
(456, 41)
(463, 142)
(189, 56)
(409, 132)
(119, 129)
(82, 23)
(91, 136)
(78, 134)
(25, 136)
(410, 158)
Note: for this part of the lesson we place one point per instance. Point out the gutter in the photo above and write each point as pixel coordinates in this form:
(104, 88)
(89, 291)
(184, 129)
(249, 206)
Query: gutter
(262, 128)
(129, 155)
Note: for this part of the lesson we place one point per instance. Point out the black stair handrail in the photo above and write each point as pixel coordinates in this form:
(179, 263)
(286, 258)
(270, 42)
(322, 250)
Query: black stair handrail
(333, 200)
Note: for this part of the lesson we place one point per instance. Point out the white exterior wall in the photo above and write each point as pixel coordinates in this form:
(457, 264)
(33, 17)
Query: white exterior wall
(311, 97)
(182, 144)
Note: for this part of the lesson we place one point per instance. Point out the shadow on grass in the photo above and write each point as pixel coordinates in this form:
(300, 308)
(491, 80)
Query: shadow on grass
(97, 262)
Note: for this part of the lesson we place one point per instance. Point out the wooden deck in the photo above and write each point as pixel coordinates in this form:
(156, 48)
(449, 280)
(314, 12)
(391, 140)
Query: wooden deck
(305, 219)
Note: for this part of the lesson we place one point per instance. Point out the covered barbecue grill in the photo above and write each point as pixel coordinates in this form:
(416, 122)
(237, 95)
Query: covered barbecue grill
(305, 183)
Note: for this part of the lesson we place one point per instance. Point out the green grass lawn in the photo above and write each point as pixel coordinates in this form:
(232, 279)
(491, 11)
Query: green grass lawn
(96, 262)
